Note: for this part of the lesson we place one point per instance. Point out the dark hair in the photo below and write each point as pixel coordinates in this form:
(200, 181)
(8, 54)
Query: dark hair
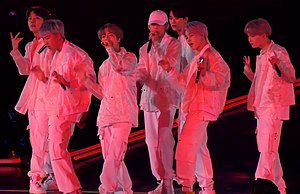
(180, 11)
(257, 27)
(113, 28)
(40, 11)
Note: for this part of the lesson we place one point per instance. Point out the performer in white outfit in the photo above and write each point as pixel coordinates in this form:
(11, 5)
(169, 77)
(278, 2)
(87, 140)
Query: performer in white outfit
(270, 97)
(65, 100)
(178, 17)
(118, 113)
(31, 101)
(204, 84)
(158, 100)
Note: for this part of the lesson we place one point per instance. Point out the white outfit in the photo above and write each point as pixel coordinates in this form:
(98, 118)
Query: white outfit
(202, 102)
(159, 103)
(64, 108)
(118, 113)
(31, 102)
(270, 97)
(187, 54)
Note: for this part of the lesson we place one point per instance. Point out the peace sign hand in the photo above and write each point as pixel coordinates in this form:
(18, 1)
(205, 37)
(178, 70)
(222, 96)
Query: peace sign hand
(15, 40)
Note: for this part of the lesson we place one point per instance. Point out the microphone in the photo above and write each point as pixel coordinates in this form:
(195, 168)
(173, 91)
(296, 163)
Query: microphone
(200, 60)
(105, 44)
(42, 49)
(54, 73)
(277, 70)
(149, 46)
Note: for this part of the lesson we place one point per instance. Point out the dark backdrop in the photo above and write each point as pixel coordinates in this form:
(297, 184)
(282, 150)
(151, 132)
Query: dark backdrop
(225, 20)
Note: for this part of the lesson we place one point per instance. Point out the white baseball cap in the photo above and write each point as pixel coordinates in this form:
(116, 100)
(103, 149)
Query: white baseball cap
(158, 17)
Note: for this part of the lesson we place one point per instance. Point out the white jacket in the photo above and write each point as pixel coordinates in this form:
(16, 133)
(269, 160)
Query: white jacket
(267, 88)
(30, 97)
(157, 94)
(209, 94)
(116, 89)
(76, 98)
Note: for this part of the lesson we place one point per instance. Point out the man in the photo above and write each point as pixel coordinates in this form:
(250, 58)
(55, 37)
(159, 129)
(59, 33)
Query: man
(30, 99)
(65, 99)
(118, 112)
(204, 84)
(270, 97)
(158, 100)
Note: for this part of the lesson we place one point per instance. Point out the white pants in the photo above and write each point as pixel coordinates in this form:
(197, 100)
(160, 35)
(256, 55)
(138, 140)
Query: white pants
(38, 133)
(160, 142)
(268, 134)
(182, 119)
(115, 176)
(192, 148)
(60, 131)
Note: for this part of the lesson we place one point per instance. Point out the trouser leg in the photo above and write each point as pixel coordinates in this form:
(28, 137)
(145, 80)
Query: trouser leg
(60, 131)
(114, 140)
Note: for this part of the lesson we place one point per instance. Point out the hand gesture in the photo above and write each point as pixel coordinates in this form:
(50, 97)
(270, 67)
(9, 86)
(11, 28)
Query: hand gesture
(246, 61)
(274, 59)
(106, 42)
(15, 40)
(165, 65)
(39, 74)
(153, 36)
(60, 79)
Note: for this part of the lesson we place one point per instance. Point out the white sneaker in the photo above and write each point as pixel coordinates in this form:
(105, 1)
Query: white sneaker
(158, 189)
(78, 191)
(102, 191)
(124, 192)
(167, 187)
(36, 188)
(50, 183)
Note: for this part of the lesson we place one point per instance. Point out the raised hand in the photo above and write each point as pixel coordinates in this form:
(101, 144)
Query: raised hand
(15, 40)
(39, 74)
(246, 61)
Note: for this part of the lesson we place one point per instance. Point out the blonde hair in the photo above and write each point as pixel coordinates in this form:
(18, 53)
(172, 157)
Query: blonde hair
(197, 28)
(53, 26)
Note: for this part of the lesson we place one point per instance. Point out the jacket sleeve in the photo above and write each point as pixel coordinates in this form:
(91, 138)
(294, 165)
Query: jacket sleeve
(95, 88)
(142, 74)
(22, 62)
(89, 81)
(286, 68)
(124, 63)
(172, 54)
(217, 76)
(177, 79)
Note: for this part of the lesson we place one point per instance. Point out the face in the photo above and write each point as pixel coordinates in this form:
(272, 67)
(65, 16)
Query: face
(256, 41)
(108, 38)
(53, 41)
(34, 22)
(195, 40)
(177, 24)
(157, 31)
